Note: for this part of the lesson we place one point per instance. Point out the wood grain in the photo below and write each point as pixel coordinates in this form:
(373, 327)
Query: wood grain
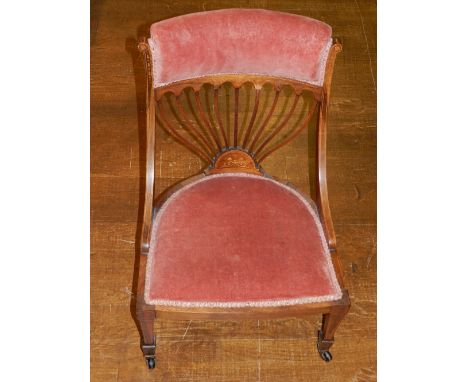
(257, 350)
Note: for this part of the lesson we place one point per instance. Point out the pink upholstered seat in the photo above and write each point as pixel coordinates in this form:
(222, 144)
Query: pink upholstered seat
(233, 240)
(247, 41)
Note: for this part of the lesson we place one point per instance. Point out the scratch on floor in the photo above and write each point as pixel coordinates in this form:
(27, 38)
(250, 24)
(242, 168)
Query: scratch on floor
(364, 375)
(367, 44)
(131, 155)
(362, 307)
(285, 169)
(127, 241)
(128, 291)
(259, 350)
(358, 193)
(374, 250)
(160, 164)
(186, 330)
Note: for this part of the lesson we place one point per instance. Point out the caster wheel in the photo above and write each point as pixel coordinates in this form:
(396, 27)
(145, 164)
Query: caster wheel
(151, 362)
(326, 356)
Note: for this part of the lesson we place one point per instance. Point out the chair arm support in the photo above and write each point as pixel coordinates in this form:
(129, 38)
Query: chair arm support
(149, 187)
(150, 147)
(322, 186)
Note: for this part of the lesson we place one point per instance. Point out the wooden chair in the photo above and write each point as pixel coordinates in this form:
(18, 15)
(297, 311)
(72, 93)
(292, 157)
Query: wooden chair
(234, 243)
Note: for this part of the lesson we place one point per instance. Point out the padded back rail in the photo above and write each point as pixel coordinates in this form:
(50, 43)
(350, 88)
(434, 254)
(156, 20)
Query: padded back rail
(239, 41)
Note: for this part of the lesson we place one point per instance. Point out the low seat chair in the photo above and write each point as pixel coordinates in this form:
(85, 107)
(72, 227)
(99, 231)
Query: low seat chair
(233, 242)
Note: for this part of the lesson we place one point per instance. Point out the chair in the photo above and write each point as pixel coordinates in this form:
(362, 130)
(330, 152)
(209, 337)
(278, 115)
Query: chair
(233, 242)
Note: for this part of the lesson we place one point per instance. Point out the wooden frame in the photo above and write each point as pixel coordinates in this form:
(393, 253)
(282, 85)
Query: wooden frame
(236, 156)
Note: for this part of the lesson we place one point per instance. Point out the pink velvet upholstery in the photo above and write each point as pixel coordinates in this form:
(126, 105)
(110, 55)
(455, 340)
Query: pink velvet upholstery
(233, 240)
(248, 41)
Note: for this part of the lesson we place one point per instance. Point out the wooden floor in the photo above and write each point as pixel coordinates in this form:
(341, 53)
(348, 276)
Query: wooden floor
(281, 350)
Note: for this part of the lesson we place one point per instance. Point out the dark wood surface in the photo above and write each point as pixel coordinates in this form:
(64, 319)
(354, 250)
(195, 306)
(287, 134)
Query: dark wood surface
(275, 350)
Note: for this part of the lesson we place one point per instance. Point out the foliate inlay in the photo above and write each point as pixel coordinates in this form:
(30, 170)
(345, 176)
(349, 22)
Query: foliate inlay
(235, 161)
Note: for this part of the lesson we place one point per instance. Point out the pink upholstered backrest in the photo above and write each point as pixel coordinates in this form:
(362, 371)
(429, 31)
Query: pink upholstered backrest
(239, 41)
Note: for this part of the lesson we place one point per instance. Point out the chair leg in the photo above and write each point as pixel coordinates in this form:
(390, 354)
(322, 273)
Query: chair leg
(330, 323)
(145, 319)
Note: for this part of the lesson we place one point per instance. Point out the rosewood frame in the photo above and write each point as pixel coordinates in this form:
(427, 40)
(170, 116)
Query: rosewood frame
(236, 158)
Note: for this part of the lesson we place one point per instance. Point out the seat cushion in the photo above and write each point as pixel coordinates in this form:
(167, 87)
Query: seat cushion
(233, 41)
(234, 240)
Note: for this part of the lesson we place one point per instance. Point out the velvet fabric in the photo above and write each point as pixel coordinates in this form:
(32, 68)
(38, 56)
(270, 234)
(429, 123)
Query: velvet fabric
(233, 240)
(246, 41)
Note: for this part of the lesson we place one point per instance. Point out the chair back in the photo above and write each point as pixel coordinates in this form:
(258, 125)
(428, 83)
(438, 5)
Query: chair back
(201, 65)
